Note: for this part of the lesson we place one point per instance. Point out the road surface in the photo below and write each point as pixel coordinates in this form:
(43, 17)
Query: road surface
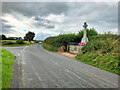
(36, 67)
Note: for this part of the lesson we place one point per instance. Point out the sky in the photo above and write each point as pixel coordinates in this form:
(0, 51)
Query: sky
(53, 18)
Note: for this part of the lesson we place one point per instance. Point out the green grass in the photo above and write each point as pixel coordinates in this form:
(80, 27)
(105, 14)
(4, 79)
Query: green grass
(50, 47)
(12, 43)
(106, 62)
(102, 53)
(9, 40)
(7, 67)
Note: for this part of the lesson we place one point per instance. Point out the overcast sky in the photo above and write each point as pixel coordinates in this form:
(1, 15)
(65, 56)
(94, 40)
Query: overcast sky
(50, 18)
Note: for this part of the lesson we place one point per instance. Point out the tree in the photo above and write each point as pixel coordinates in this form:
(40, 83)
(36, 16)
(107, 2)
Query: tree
(90, 32)
(3, 37)
(29, 36)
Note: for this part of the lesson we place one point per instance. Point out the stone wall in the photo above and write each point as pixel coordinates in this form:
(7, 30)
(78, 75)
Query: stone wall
(74, 49)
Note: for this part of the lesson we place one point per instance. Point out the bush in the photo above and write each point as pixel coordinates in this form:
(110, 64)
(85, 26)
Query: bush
(104, 43)
(60, 40)
(19, 42)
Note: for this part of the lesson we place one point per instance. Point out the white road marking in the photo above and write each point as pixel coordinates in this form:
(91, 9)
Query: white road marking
(40, 78)
(18, 62)
(33, 67)
(22, 51)
(36, 73)
(23, 62)
(56, 63)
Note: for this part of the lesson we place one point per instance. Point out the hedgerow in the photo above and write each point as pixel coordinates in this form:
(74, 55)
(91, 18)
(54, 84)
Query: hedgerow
(64, 39)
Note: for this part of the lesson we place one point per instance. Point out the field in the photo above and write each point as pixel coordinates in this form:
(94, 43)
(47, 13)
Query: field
(13, 43)
(7, 67)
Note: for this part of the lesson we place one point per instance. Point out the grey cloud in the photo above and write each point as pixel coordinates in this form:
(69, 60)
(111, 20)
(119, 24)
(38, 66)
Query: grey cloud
(99, 15)
(32, 9)
(6, 29)
(8, 26)
(4, 21)
(50, 26)
(43, 22)
(42, 36)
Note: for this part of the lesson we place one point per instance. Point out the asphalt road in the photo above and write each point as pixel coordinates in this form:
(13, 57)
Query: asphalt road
(36, 67)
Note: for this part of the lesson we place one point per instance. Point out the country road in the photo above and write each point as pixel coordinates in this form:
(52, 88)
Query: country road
(36, 67)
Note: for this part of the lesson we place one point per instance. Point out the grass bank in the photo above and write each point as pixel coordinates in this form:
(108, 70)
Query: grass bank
(102, 53)
(7, 62)
(50, 47)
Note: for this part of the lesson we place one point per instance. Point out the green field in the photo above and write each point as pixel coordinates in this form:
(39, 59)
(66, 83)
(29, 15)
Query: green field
(7, 43)
(7, 67)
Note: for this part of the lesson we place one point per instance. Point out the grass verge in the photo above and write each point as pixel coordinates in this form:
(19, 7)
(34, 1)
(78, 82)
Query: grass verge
(50, 47)
(102, 52)
(106, 62)
(7, 62)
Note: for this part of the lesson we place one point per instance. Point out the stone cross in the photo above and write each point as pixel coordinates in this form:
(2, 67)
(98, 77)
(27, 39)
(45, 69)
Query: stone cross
(85, 39)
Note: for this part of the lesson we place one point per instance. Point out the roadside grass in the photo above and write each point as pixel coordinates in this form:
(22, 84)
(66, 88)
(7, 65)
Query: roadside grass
(107, 62)
(7, 67)
(0, 69)
(8, 43)
(49, 47)
(102, 53)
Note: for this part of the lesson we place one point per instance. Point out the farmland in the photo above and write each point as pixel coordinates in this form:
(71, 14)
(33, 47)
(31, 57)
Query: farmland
(14, 43)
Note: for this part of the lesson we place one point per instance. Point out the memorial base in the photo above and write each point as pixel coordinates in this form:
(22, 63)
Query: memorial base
(84, 40)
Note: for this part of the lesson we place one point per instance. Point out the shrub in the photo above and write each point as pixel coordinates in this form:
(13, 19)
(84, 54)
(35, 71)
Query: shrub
(19, 42)
(103, 43)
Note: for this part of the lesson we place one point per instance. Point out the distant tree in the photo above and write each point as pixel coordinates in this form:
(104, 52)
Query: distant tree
(90, 32)
(29, 36)
(3, 37)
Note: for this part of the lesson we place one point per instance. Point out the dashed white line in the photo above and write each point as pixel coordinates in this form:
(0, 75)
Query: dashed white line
(57, 64)
(33, 67)
(37, 73)
(22, 51)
